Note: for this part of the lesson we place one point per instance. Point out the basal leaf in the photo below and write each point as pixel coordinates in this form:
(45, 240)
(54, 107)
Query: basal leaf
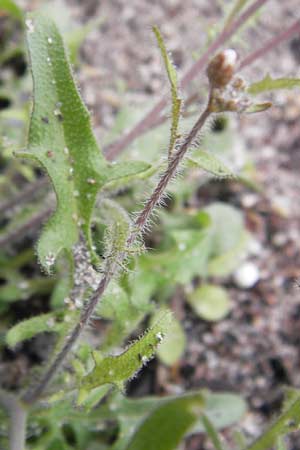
(62, 141)
(210, 302)
(210, 163)
(118, 369)
(270, 84)
(51, 322)
(166, 425)
(176, 100)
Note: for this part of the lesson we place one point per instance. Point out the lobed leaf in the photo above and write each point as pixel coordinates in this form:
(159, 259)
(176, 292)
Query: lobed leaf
(176, 100)
(62, 141)
(270, 84)
(117, 369)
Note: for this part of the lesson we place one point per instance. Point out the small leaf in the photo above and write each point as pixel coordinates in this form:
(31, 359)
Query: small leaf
(270, 84)
(118, 369)
(258, 107)
(117, 231)
(173, 346)
(210, 302)
(62, 141)
(210, 163)
(167, 424)
(176, 100)
(50, 322)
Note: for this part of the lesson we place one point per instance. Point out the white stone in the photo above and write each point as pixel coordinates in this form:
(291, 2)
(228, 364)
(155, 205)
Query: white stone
(246, 276)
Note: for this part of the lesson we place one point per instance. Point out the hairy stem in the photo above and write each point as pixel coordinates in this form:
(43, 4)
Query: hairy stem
(112, 267)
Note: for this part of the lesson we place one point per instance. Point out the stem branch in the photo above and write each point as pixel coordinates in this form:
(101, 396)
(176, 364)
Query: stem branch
(32, 395)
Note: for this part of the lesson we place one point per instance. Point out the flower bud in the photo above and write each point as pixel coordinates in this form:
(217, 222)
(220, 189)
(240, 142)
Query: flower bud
(221, 68)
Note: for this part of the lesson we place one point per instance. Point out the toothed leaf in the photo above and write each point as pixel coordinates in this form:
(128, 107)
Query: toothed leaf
(210, 163)
(118, 369)
(176, 100)
(62, 141)
(270, 84)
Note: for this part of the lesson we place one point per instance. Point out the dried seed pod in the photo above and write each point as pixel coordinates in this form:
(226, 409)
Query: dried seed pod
(221, 68)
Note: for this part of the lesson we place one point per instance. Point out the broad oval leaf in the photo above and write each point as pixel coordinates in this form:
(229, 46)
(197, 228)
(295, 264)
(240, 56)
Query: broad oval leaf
(210, 302)
(166, 425)
(173, 346)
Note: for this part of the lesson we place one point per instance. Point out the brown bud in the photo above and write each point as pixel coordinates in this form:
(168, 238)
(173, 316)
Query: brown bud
(221, 68)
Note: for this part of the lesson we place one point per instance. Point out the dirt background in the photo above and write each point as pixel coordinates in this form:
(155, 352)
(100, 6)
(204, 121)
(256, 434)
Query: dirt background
(255, 350)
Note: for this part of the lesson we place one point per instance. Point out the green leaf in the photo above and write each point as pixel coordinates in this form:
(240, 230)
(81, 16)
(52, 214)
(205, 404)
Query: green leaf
(210, 302)
(166, 425)
(280, 444)
(212, 433)
(173, 346)
(287, 422)
(176, 100)
(227, 227)
(118, 369)
(210, 163)
(224, 264)
(270, 84)
(118, 227)
(50, 322)
(61, 140)
(12, 8)
(257, 107)
(223, 410)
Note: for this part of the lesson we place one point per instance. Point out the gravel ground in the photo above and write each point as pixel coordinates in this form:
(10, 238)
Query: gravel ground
(255, 351)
